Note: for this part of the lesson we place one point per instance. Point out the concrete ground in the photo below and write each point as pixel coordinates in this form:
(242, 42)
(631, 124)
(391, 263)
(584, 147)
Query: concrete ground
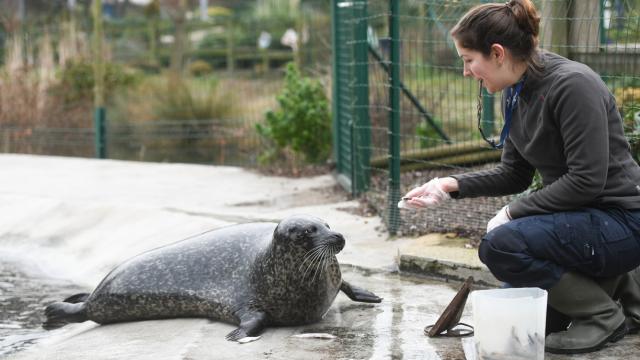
(74, 219)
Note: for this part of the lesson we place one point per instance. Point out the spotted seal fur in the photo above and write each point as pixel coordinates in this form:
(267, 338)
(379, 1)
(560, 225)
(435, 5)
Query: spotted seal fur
(255, 275)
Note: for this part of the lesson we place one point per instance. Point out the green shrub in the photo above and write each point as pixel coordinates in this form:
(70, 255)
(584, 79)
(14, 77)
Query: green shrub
(303, 122)
(200, 68)
(429, 136)
(77, 80)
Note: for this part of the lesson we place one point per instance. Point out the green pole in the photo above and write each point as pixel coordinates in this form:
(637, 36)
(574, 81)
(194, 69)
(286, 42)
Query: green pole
(488, 115)
(362, 127)
(335, 88)
(99, 124)
(603, 31)
(394, 118)
(98, 89)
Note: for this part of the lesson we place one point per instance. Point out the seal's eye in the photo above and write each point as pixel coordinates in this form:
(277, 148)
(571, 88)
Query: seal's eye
(310, 230)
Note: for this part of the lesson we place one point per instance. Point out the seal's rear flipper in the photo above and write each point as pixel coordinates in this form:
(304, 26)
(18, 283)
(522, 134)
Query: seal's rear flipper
(77, 298)
(251, 324)
(358, 294)
(60, 314)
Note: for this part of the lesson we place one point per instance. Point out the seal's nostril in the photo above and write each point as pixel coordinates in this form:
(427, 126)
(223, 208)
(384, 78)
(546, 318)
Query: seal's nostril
(339, 241)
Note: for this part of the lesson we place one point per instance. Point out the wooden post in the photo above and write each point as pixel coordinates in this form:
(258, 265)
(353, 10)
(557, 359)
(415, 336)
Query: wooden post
(584, 33)
(98, 58)
(555, 26)
(180, 40)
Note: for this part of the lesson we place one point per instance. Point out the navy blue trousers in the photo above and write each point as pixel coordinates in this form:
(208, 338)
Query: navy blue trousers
(536, 250)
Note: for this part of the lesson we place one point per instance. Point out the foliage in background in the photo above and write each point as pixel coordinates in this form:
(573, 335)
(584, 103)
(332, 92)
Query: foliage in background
(26, 96)
(77, 80)
(536, 184)
(200, 68)
(302, 122)
(628, 100)
(624, 22)
(188, 99)
(285, 13)
(428, 135)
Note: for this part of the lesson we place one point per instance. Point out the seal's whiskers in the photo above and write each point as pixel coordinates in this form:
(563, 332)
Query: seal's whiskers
(312, 256)
(325, 255)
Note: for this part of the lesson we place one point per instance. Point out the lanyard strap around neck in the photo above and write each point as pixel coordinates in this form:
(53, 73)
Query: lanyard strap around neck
(512, 101)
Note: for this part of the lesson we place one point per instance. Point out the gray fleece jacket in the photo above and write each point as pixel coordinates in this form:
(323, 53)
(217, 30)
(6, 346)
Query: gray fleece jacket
(567, 126)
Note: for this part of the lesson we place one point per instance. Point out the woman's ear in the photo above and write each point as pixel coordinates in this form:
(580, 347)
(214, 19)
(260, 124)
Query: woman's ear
(498, 53)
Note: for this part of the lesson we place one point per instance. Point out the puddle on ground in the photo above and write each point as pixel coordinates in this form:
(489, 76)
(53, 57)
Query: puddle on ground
(23, 297)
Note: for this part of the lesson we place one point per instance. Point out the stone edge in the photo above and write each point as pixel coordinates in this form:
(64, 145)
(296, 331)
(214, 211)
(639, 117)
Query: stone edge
(447, 270)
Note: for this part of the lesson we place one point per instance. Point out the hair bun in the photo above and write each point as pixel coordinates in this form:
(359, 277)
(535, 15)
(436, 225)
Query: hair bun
(526, 15)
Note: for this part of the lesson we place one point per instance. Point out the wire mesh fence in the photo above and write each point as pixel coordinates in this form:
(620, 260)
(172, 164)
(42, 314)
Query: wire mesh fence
(430, 110)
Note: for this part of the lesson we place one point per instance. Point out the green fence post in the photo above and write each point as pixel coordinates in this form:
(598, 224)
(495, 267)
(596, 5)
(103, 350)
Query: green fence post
(361, 125)
(488, 115)
(344, 94)
(335, 88)
(394, 118)
(100, 126)
(602, 30)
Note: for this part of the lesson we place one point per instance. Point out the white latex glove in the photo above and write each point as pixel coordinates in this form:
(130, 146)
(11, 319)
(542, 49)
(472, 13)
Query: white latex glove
(502, 217)
(430, 194)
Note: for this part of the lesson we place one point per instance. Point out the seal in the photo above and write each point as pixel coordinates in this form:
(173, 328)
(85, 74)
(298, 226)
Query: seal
(254, 275)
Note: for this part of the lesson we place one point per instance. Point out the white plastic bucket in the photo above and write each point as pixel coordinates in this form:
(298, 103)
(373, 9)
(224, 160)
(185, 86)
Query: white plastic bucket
(509, 323)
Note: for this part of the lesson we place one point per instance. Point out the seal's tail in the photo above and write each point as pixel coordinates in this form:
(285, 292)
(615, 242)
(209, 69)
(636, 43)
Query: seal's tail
(71, 310)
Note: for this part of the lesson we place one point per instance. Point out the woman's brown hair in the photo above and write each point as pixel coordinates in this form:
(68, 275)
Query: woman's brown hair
(514, 25)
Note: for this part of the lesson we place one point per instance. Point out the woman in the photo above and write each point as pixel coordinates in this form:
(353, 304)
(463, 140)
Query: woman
(579, 236)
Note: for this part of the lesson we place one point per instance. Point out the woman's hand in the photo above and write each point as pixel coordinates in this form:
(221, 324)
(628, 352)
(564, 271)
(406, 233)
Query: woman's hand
(501, 218)
(431, 194)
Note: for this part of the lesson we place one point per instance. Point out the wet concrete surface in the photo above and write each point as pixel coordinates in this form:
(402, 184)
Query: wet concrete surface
(24, 292)
(392, 329)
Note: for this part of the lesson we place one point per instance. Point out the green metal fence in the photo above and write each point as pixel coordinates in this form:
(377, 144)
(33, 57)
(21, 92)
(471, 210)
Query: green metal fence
(350, 99)
(421, 115)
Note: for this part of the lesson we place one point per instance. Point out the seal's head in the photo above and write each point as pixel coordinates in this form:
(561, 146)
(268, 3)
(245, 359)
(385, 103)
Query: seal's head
(307, 233)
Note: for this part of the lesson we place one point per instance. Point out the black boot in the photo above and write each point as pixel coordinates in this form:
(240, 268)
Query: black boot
(595, 318)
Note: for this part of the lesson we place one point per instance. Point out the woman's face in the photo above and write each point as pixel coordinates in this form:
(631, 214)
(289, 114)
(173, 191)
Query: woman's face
(489, 69)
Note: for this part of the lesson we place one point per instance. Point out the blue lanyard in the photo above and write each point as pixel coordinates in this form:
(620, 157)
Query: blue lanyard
(512, 101)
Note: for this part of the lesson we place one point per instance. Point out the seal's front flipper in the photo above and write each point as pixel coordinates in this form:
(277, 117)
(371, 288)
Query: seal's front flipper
(358, 294)
(251, 324)
(60, 314)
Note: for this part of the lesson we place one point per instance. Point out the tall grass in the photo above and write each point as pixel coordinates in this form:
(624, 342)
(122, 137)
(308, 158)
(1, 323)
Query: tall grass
(27, 79)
